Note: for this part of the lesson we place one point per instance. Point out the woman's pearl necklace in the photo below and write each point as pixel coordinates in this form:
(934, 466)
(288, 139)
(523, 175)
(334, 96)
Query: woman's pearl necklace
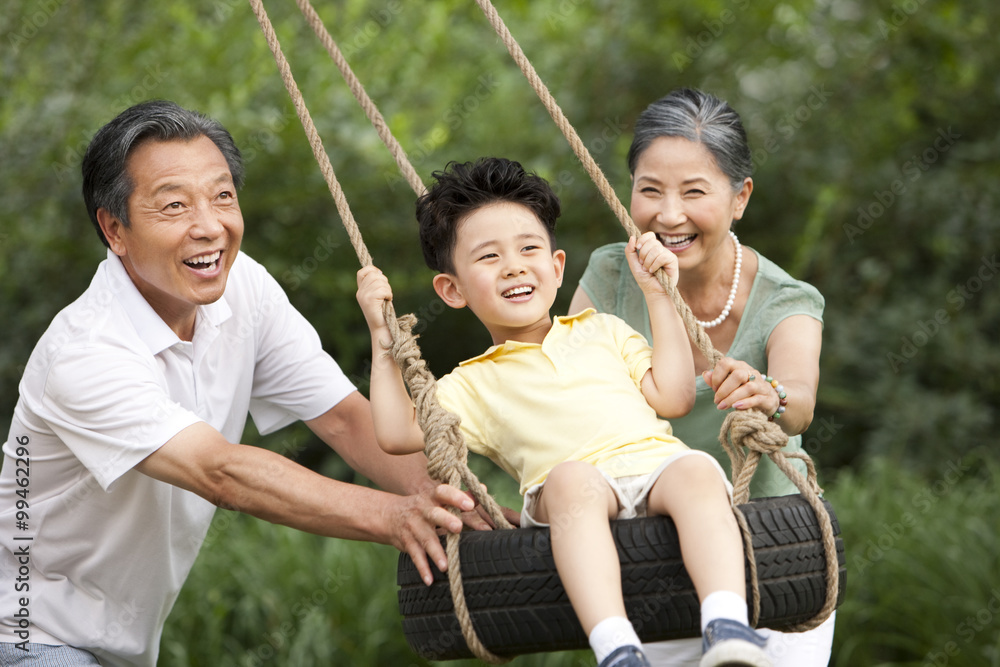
(732, 292)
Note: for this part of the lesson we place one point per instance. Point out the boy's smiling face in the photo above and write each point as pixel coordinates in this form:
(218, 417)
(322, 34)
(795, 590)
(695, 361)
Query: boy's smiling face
(506, 272)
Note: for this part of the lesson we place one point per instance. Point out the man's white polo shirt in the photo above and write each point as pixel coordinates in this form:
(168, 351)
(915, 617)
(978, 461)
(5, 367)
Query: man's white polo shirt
(101, 549)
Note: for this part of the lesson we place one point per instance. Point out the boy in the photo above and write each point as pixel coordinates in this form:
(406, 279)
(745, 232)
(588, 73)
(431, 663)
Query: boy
(569, 406)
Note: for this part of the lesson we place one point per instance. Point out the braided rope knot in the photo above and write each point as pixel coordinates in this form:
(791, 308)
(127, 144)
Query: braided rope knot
(751, 429)
(443, 446)
(750, 436)
(406, 324)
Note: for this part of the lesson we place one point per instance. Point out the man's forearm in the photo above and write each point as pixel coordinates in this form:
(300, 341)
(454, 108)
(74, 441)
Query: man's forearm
(273, 488)
(269, 486)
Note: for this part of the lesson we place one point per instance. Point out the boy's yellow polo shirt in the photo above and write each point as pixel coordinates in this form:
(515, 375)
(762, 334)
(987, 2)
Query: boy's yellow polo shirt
(574, 397)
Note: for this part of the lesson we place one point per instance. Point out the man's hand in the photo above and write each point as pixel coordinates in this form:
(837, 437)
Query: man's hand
(414, 521)
(480, 519)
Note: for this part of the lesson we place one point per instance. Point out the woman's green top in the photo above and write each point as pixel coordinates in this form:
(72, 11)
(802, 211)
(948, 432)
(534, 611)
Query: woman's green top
(774, 296)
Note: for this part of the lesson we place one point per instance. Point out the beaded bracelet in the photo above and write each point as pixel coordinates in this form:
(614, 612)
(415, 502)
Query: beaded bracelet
(782, 397)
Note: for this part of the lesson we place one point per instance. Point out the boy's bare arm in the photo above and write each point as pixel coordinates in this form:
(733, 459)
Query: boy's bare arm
(396, 427)
(669, 384)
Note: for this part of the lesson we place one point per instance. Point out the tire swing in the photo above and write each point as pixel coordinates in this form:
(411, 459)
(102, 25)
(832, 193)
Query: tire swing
(502, 595)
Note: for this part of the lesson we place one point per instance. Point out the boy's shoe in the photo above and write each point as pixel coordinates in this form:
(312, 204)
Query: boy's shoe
(729, 643)
(625, 656)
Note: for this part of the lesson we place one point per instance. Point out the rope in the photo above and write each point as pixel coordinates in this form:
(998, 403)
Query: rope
(374, 115)
(750, 428)
(445, 449)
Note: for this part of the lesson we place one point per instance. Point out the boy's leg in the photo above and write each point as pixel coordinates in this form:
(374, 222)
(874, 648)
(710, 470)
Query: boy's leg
(693, 493)
(577, 503)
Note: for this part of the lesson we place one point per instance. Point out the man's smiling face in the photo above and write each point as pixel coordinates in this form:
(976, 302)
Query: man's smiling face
(185, 227)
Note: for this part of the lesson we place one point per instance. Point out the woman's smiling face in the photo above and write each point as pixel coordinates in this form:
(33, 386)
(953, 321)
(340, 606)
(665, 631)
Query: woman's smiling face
(679, 193)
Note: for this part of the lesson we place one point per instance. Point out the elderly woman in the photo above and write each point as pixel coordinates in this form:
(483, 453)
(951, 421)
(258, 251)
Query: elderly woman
(691, 166)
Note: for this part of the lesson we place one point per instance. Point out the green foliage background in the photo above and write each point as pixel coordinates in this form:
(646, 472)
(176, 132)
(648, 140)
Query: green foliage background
(876, 143)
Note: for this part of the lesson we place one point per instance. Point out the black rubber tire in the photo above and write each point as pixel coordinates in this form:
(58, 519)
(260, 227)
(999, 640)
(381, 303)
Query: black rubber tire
(518, 604)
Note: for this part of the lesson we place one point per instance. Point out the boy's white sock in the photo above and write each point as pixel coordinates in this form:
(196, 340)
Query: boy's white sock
(611, 633)
(723, 604)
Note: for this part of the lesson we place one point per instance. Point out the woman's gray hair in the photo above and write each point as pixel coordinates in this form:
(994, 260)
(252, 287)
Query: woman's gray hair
(700, 117)
(106, 181)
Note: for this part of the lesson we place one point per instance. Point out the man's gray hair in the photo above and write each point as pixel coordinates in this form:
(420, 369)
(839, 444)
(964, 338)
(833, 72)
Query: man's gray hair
(106, 181)
(699, 117)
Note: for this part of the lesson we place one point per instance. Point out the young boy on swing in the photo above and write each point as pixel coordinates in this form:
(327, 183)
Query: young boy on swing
(569, 406)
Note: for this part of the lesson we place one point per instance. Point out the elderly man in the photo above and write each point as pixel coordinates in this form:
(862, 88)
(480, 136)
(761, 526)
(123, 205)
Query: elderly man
(122, 443)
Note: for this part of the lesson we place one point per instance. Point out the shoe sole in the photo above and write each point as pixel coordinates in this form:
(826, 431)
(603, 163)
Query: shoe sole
(735, 653)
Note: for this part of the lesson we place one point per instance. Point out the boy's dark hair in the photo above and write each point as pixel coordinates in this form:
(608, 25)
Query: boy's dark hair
(462, 188)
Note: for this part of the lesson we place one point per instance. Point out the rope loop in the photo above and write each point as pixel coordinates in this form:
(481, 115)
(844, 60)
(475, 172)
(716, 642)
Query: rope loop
(750, 429)
(756, 432)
